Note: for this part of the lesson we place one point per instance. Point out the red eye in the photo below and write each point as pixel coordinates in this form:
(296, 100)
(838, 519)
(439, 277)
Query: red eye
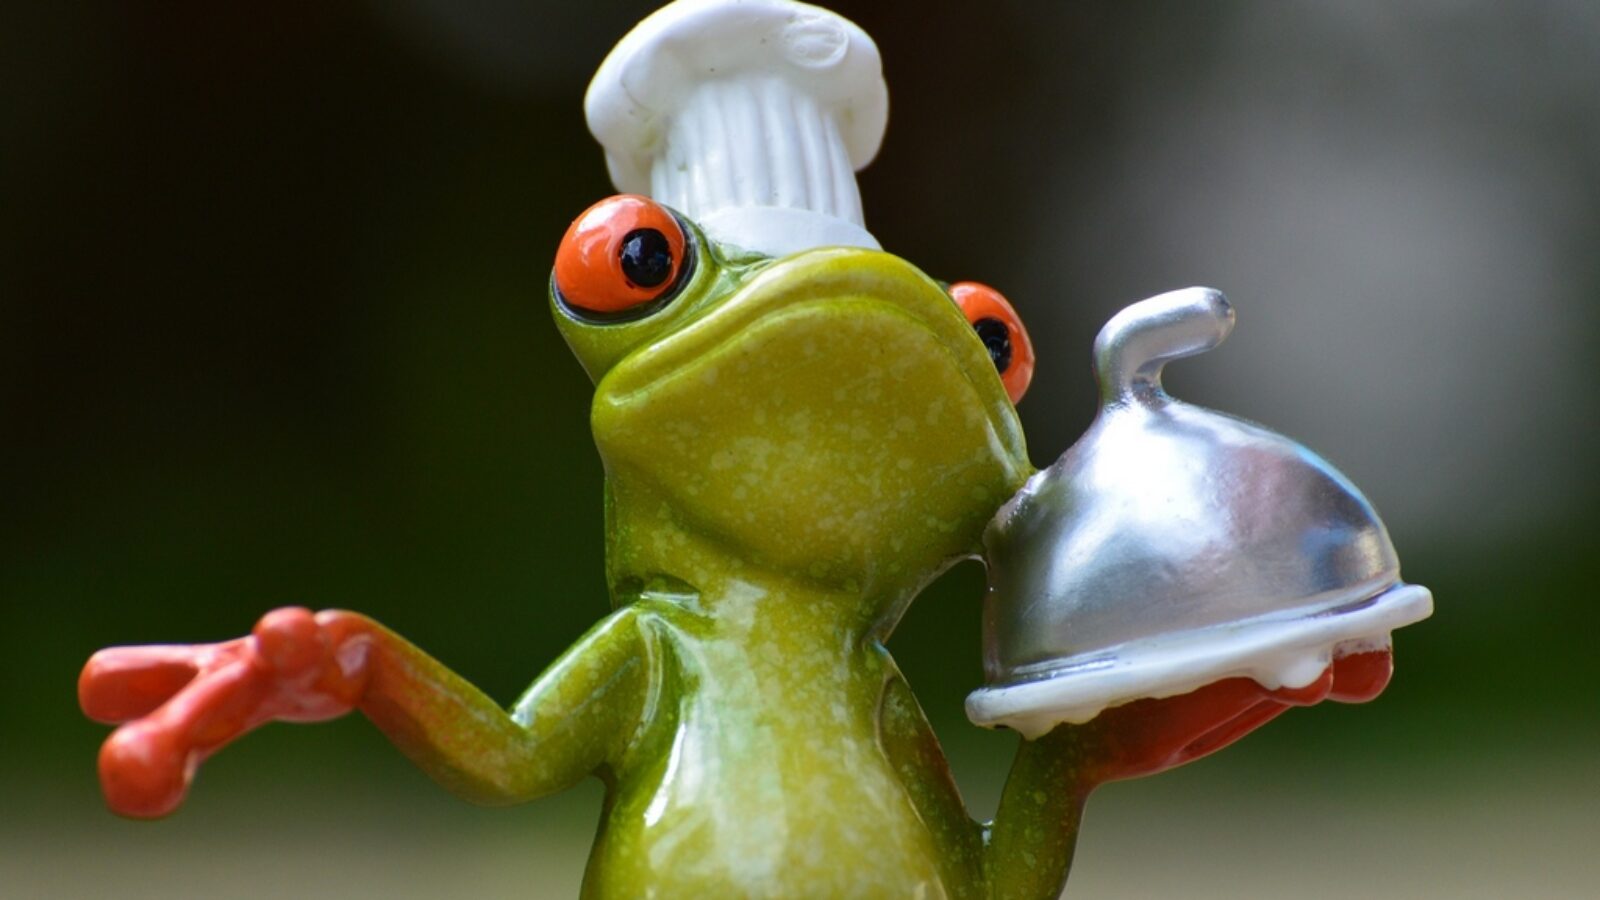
(623, 253)
(1000, 329)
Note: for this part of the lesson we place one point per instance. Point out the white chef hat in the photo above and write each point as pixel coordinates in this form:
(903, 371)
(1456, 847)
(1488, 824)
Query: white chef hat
(751, 117)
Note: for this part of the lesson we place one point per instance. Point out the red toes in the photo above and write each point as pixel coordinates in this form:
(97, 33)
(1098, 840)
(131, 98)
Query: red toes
(144, 770)
(181, 704)
(146, 765)
(1229, 731)
(1149, 736)
(123, 683)
(1360, 677)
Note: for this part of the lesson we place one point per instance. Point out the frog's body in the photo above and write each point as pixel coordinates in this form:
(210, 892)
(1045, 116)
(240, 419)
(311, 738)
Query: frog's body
(760, 770)
(810, 443)
(793, 448)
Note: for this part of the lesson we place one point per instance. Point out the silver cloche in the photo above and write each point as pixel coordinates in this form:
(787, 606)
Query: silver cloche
(1173, 546)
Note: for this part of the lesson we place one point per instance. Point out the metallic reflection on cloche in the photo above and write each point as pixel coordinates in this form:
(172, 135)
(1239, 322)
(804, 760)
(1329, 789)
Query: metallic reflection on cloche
(1173, 546)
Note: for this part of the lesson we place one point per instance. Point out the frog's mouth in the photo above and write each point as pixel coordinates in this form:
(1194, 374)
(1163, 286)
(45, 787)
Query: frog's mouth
(803, 285)
(835, 416)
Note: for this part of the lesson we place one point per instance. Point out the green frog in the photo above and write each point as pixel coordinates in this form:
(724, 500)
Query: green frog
(794, 447)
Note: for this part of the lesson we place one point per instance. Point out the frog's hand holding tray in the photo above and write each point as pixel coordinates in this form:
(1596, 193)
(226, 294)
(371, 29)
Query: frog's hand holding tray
(799, 433)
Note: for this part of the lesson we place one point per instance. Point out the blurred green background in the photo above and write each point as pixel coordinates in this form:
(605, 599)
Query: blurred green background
(272, 330)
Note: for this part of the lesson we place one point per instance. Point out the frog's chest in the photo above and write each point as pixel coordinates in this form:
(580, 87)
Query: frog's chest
(759, 783)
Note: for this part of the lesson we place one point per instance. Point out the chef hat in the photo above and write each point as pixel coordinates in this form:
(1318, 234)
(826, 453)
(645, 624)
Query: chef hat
(751, 117)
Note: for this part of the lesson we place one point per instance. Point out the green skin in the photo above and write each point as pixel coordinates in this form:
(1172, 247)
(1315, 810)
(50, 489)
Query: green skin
(793, 449)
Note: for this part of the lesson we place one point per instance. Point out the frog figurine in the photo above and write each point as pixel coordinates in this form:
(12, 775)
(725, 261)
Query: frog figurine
(799, 432)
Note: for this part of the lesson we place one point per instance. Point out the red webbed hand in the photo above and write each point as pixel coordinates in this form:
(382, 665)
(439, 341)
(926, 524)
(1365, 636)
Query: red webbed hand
(183, 703)
(1149, 736)
(1036, 827)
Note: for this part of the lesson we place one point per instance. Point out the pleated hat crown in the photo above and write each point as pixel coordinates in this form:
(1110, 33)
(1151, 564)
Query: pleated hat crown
(750, 117)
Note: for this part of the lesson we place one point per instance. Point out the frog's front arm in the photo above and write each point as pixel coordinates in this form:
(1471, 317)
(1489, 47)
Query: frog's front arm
(1026, 852)
(1031, 841)
(573, 720)
(180, 704)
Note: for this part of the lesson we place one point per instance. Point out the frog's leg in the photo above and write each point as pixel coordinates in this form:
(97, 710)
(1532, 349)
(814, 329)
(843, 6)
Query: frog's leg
(181, 704)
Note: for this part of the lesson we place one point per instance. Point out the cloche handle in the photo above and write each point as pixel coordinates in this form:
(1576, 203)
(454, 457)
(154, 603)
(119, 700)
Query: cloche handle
(1132, 348)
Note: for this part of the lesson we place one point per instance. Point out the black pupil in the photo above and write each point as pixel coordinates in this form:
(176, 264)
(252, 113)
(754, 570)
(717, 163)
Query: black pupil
(996, 339)
(646, 257)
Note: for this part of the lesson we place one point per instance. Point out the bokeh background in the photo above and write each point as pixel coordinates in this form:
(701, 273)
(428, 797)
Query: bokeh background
(272, 330)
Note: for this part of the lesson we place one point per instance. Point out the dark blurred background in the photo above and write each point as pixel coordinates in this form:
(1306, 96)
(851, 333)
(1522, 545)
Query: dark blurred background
(272, 330)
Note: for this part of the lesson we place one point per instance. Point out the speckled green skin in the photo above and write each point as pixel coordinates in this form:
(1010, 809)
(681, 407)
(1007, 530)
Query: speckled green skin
(793, 449)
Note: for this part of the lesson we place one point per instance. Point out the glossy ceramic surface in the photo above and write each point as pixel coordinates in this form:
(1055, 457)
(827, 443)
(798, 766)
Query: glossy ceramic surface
(1173, 545)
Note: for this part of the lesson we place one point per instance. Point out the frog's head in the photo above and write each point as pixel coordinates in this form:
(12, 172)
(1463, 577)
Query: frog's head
(831, 416)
